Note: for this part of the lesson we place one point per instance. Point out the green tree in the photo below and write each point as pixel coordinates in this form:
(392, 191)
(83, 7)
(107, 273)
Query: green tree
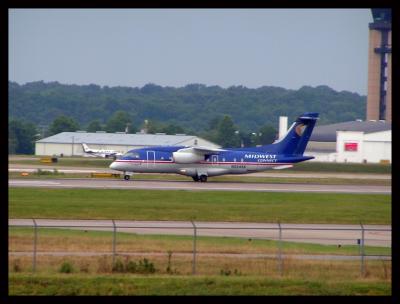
(247, 139)
(21, 137)
(191, 106)
(119, 121)
(226, 133)
(153, 126)
(12, 140)
(94, 126)
(172, 129)
(267, 135)
(63, 124)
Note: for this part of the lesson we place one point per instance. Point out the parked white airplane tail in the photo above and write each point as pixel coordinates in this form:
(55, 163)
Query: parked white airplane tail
(85, 148)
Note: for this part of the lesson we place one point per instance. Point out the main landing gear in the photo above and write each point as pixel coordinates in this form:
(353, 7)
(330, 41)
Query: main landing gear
(201, 178)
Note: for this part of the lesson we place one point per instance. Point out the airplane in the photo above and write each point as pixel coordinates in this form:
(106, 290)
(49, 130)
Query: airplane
(202, 162)
(100, 153)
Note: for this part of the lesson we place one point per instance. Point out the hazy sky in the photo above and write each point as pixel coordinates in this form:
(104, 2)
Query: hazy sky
(174, 47)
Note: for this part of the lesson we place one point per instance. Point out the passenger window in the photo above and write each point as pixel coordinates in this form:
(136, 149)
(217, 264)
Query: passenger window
(132, 155)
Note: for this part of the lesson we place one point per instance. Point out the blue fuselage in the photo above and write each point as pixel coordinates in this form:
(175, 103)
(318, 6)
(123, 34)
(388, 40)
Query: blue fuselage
(231, 161)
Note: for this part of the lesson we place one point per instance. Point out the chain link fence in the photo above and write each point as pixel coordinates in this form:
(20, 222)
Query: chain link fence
(339, 235)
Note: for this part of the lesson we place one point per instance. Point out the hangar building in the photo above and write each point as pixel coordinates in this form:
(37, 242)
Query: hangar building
(70, 143)
(352, 141)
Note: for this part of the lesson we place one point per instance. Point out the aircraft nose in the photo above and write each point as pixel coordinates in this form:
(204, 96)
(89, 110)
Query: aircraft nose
(114, 166)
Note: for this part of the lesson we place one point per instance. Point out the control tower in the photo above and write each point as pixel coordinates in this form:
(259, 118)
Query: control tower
(379, 100)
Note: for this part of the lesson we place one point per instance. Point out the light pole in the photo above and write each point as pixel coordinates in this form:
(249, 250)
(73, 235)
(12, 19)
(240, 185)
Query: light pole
(237, 132)
(253, 138)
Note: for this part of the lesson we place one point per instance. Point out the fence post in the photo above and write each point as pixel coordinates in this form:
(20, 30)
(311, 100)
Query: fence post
(362, 251)
(280, 262)
(34, 246)
(194, 247)
(114, 241)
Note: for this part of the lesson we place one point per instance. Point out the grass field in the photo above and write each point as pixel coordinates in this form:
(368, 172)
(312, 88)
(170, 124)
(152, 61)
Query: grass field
(216, 275)
(199, 205)
(52, 240)
(84, 284)
(301, 167)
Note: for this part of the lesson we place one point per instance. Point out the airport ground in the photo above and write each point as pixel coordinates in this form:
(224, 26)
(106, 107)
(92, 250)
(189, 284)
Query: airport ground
(220, 273)
(128, 284)
(92, 162)
(314, 173)
(177, 205)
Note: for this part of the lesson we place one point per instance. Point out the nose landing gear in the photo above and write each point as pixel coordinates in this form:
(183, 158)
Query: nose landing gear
(127, 175)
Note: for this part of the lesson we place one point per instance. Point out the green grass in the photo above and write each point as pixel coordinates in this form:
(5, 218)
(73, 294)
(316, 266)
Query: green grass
(62, 239)
(199, 205)
(78, 284)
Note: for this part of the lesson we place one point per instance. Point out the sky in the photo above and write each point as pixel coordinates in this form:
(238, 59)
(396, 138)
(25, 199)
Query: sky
(287, 48)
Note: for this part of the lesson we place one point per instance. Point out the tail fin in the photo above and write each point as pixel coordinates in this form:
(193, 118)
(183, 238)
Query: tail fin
(85, 147)
(296, 138)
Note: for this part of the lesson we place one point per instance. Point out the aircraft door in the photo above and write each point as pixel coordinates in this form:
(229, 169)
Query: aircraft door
(214, 158)
(151, 158)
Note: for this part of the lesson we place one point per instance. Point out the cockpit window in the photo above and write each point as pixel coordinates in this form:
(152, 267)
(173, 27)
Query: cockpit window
(131, 155)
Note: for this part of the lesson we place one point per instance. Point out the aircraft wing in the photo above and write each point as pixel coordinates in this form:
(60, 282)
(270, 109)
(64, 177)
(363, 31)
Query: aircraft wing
(193, 154)
(201, 150)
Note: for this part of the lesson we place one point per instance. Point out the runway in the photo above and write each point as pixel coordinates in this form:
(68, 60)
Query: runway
(190, 185)
(333, 234)
(270, 173)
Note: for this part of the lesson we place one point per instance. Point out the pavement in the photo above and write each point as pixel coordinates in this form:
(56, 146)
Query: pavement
(327, 234)
(205, 254)
(190, 185)
(271, 173)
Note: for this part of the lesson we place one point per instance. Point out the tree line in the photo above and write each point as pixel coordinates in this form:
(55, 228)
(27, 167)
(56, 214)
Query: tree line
(22, 134)
(246, 116)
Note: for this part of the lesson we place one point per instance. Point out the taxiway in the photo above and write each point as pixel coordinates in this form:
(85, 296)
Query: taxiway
(184, 185)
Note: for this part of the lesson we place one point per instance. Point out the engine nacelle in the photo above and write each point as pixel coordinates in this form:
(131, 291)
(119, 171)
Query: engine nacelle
(187, 157)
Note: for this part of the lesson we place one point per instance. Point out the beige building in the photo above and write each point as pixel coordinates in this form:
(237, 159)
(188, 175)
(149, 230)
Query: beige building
(70, 143)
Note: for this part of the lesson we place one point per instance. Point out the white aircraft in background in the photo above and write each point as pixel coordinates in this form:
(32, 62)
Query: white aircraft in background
(100, 152)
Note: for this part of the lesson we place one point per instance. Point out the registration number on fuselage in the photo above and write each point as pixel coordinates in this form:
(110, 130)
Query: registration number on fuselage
(238, 167)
